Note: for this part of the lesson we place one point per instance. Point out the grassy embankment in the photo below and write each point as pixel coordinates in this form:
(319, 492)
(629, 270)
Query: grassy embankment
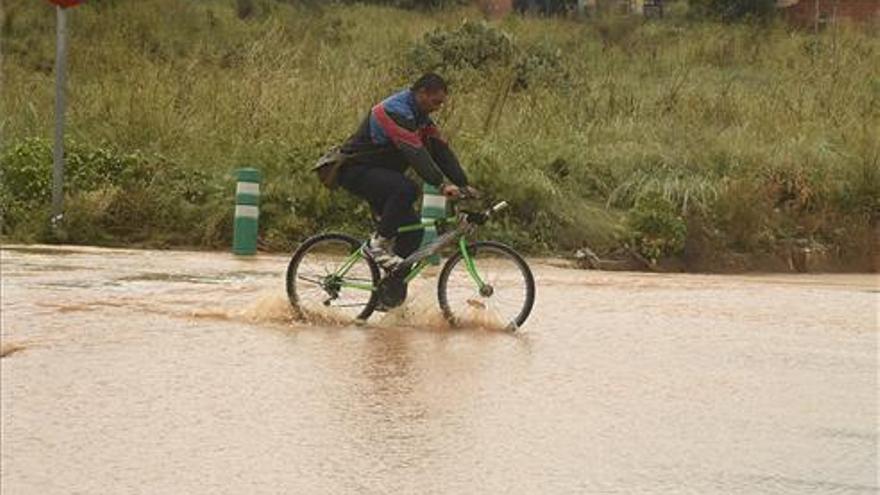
(684, 140)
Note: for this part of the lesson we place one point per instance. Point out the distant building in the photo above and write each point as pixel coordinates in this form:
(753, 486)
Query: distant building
(821, 12)
(651, 8)
(495, 9)
(545, 6)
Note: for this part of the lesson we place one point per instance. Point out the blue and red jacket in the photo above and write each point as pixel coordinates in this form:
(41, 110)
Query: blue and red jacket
(397, 135)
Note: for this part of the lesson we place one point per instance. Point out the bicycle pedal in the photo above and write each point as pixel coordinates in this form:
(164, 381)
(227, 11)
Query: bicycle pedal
(392, 293)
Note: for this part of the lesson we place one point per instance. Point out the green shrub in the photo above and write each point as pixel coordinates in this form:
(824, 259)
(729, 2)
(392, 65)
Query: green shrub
(540, 64)
(108, 194)
(657, 227)
(859, 192)
(743, 216)
(475, 47)
(26, 171)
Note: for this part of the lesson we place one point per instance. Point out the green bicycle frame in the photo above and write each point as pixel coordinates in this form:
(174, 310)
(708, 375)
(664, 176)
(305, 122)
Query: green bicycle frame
(349, 262)
(469, 263)
(423, 224)
(355, 256)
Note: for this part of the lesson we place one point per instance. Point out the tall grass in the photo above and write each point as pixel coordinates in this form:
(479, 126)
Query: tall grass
(768, 134)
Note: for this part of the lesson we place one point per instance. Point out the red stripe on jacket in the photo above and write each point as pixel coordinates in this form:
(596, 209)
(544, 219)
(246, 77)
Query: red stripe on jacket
(396, 133)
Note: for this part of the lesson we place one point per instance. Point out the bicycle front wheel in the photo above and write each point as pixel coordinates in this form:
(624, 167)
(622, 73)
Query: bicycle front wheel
(329, 281)
(498, 292)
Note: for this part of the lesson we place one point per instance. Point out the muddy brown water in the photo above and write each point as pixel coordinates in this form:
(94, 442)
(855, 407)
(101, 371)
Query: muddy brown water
(181, 372)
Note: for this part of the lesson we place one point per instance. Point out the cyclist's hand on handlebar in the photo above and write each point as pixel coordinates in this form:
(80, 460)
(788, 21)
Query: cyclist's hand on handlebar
(451, 191)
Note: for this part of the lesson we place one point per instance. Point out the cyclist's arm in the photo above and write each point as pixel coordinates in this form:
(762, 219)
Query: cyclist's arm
(444, 156)
(402, 132)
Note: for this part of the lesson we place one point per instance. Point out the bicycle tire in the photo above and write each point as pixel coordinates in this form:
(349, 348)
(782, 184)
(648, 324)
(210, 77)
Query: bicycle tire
(307, 246)
(453, 315)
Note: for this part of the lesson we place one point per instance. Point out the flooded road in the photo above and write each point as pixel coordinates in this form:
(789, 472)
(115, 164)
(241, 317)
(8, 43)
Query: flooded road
(177, 372)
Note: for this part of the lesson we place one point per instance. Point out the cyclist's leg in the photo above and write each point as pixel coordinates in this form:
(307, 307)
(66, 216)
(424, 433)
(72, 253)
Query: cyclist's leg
(408, 242)
(391, 195)
(350, 178)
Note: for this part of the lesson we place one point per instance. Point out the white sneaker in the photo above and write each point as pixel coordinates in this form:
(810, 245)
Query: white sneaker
(379, 249)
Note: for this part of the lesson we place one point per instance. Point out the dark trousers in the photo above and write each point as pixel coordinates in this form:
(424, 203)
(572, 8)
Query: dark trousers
(391, 196)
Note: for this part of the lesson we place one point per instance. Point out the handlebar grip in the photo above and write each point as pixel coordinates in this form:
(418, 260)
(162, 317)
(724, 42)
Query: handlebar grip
(500, 206)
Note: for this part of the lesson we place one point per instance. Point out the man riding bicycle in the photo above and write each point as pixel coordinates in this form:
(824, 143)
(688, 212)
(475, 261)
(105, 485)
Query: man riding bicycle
(396, 135)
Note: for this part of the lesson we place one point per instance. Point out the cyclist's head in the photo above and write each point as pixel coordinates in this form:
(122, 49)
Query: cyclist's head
(430, 92)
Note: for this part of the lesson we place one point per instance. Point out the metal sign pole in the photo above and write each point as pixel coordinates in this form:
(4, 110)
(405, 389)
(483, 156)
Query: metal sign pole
(60, 75)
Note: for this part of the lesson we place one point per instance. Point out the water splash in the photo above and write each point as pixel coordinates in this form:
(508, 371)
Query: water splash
(421, 310)
(268, 307)
(484, 317)
(7, 349)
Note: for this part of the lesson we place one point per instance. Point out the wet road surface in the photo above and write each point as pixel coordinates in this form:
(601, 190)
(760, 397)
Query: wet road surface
(180, 372)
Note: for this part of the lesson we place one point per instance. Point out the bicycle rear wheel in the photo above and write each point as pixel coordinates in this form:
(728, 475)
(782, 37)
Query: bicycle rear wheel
(328, 282)
(507, 294)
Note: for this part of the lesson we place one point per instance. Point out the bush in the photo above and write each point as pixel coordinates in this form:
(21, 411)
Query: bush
(658, 229)
(479, 48)
(26, 170)
(109, 194)
(474, 45)
(540, 64)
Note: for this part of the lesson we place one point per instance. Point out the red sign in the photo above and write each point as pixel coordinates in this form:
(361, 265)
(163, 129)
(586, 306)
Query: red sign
(66, 3)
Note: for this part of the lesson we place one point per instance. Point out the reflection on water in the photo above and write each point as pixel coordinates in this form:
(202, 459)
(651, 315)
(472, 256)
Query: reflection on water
(173, 372)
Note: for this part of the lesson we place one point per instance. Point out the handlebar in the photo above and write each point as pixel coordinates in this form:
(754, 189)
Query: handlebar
(481, 217)
(500, 206)
(478, 217)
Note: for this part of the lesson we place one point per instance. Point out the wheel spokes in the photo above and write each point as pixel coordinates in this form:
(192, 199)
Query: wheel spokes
(319, 288)
(501, 306)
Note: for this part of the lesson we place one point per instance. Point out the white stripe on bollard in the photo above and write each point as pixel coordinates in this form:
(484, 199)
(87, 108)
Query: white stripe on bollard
(434, 201)
(247, 188)
(245, 211)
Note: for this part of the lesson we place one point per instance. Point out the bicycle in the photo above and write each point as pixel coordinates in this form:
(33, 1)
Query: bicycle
(329, 272)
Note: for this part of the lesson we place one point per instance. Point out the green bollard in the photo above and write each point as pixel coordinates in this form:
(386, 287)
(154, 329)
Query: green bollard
(247, 211)
(433, 208)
